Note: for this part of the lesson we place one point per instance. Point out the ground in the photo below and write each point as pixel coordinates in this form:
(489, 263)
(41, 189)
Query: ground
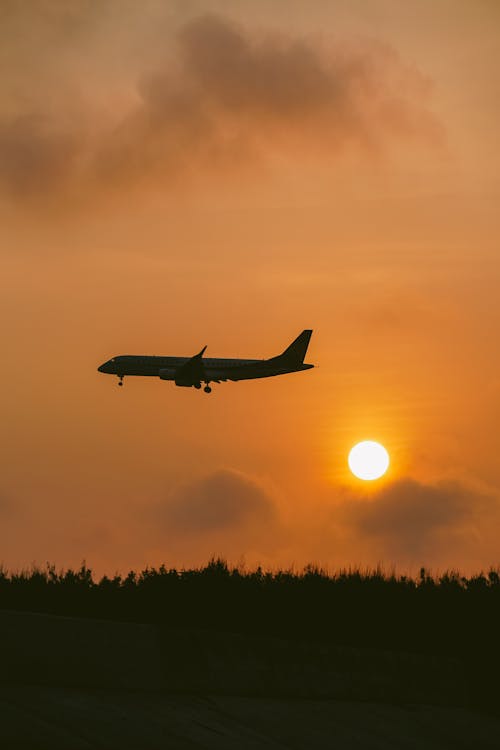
(38, 718)
(71, 683)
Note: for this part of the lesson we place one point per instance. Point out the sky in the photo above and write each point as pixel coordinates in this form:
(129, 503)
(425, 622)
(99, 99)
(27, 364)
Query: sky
(175, 174)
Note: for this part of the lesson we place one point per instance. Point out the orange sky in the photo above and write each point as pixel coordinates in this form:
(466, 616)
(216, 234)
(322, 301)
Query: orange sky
(229, 173)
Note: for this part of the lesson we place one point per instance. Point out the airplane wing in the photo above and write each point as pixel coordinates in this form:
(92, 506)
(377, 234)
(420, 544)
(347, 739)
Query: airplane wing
(192, 371)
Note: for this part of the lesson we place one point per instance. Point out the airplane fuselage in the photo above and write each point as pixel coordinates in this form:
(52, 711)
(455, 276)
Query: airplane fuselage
(215, 369)
(192, 371)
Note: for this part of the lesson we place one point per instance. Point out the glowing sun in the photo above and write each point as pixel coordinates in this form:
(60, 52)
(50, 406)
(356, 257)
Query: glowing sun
(368, 460)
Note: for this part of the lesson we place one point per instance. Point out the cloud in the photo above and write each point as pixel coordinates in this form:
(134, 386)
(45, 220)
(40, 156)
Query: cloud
(409, 521)
(34, 157)
(220, 501)
(234, 95)
(272, 77)
(224, 513)
(223, 97)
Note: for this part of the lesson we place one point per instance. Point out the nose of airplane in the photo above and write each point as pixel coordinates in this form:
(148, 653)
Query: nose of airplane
(102, 367)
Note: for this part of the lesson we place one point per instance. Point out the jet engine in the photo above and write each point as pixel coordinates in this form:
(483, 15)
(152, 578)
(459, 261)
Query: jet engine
(167, 374)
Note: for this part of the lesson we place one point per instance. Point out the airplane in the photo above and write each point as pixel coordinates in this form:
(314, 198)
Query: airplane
(191, 372)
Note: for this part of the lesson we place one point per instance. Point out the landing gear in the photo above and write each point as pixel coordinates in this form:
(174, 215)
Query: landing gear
(207, 389)
(120, 381)
(197, 386)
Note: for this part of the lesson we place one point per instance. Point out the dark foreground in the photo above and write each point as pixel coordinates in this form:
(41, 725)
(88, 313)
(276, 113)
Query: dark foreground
(75, 683)
(79, 719)
(372, 635)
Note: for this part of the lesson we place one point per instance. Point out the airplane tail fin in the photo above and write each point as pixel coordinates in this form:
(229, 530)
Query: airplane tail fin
(295, 353)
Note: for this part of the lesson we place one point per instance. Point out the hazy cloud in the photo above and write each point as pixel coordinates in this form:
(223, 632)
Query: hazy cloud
(233, 95)
(223, 97)
(225, 513)
(34, 156)
(409, 521)
(223, 500)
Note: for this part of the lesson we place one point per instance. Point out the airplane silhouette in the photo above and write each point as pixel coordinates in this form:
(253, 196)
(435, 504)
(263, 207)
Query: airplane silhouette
(193, 371)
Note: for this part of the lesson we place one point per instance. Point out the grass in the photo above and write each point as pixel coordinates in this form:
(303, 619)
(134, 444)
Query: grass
(445, 615)
(355, 607)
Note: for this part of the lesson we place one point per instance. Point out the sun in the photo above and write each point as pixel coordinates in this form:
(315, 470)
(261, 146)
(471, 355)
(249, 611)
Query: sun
(368, 460)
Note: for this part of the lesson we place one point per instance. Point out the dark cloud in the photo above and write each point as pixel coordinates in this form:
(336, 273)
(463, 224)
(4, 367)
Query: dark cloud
(222, 98)
(414, 522)
(272, 77)
(35, 157)
(225, 513)
(223, 501)
(233, 95)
